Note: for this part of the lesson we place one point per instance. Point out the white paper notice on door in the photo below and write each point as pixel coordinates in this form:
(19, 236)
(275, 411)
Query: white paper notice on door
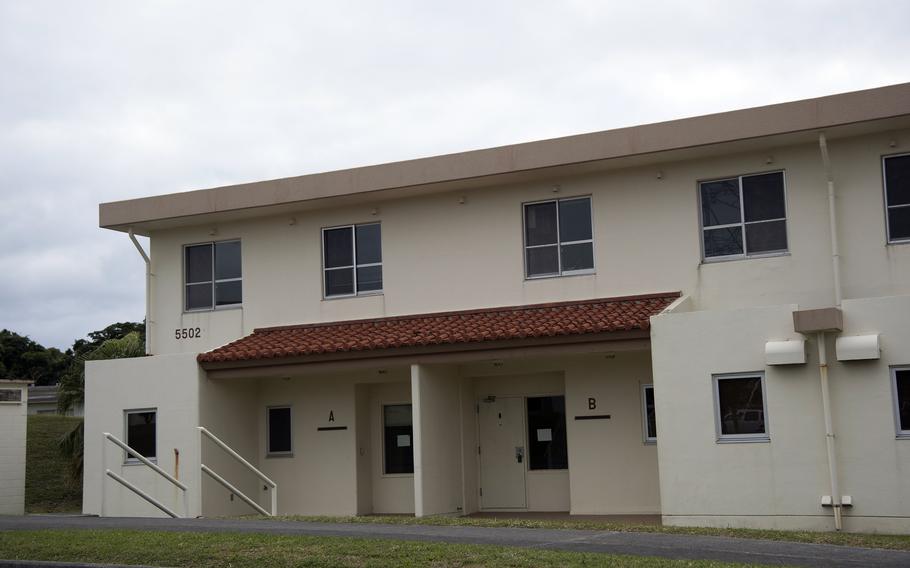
(544, 435)
(404, 440)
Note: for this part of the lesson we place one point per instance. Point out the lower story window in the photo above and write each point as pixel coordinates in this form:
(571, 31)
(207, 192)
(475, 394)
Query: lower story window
(141, 432)
(649, 417)
(547, 433)
(279, 430)
(740, 410)
(901, 382)
(398, 433)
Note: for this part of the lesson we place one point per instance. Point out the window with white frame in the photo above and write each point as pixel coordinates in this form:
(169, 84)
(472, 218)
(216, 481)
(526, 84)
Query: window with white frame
(212, 275)
(141, 432)
(743, 216)
(900, 382)
(897, 197)
(278, 428)
(10, 395)
(739, 407)
(352, 260)
(559, 237)
(649, 417)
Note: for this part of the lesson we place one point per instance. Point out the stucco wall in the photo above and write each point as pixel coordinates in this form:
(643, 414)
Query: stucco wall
(646, 233)
(437, 439)
(13, 425)
(168, 383)
(779, 484)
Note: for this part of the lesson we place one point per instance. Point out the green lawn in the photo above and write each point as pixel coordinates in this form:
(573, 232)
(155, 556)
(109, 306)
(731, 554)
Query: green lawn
(207, 550)
(893, 542)
(48, 487)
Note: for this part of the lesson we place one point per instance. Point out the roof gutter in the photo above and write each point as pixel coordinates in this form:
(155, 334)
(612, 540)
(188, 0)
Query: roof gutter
(148, 292)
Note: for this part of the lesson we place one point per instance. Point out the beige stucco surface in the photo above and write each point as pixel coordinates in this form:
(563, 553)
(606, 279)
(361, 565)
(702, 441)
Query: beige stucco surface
(13, 425)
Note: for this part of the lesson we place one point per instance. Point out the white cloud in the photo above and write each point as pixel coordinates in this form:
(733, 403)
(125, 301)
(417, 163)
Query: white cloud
(106, 100)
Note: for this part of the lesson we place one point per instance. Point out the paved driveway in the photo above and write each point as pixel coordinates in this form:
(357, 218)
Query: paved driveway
(726, 549)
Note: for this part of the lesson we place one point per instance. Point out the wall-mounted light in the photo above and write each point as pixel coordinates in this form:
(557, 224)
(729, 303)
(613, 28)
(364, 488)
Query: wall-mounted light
(892, 144)
(375, 211)
(213, 231)
(557, 188)
(660, 174)
(293, 221)
(462, 200)
(769, 160)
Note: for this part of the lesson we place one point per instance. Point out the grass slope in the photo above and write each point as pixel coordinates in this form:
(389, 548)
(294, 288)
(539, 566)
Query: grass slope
(887, 541)
(48, 487)
(208, 550)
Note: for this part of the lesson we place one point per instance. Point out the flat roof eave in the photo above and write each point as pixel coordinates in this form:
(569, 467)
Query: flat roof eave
(789, 121)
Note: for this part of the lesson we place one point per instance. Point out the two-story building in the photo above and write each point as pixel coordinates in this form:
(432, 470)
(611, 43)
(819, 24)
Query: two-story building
(706, 319)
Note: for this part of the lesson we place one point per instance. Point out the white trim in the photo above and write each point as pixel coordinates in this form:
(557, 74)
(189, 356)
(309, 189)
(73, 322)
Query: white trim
(558, 244)
(718, 419)
(900, 433)
(888, 238)
(128, 460)
(648, 440)
(352, 267)
(742, 220)
(268, 431)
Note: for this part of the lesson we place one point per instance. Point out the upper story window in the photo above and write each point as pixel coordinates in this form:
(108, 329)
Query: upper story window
(743, 216)
(212, 276)
(352, 260)
(559, 239)
(897, 197)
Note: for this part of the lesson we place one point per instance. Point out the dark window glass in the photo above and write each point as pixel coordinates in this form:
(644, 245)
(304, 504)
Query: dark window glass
(339, 247)
(227, 260)
(369, 244)
(339, 282)
(902, 378)
(140, 432)
(369, 278)
(198, 263)
(227, 293)
(547, 433)
(899, 223)
(897, 179)
(398, 438)
(198, 296)
(768, 236)
(723, 242)
(279, 428)
(720, 202)
(650, 415)
(763, 197)
(574, 220)
(741, 406)
(579, 256)
(10, 395)
(543, 261)
(540, 224)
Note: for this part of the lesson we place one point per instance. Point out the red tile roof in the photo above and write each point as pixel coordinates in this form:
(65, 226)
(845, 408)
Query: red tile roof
(602, 315)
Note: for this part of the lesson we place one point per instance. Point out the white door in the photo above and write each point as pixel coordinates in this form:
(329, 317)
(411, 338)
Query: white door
(502, 453)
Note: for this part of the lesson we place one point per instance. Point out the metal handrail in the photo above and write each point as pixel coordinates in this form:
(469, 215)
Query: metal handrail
(107, 436)
(271, 484)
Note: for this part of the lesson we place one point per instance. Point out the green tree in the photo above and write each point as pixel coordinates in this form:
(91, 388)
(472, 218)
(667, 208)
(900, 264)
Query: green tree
(72, 386)
(22, 358)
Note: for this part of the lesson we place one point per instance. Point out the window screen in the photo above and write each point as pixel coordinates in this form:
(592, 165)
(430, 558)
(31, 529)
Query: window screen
(547, 433)
(279, 430)
(212, 275)
(141, 432)
(352, 260)
(902, 400)
(740, 406)
(558, 237)
(398, 438)
(743, 216)
(897, 196)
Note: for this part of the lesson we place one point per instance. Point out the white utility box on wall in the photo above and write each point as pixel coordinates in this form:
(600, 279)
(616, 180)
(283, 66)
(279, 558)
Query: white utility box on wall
(858, 347)
(789, 352)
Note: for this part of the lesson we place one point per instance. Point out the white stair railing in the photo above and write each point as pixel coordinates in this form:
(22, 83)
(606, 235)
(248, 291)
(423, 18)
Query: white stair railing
(108, 437)
(272, 486)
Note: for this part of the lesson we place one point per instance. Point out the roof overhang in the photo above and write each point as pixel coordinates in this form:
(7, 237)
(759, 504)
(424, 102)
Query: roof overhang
(842, 115)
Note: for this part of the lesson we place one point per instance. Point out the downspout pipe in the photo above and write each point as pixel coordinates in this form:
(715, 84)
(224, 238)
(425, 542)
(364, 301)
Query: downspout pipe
(148, 292)
(820, 339)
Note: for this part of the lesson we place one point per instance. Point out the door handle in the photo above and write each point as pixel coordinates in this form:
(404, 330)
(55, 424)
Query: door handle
(519, 454)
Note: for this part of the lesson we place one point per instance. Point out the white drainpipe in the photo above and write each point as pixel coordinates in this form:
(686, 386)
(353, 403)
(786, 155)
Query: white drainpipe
(820, 339)
(148, 293)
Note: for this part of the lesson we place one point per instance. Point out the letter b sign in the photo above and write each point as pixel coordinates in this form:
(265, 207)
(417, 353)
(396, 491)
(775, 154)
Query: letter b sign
(592, 403)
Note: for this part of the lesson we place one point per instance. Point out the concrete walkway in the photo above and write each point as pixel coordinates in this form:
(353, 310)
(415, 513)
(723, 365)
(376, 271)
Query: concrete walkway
(773, 553)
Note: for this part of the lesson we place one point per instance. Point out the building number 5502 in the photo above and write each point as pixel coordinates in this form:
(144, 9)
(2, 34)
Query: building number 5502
(187, 333)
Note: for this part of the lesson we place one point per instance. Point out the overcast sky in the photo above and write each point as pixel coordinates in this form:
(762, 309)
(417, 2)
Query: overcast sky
(103, 101)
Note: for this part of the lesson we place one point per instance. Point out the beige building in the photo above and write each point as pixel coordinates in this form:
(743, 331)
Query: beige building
(13, 425)
(705, 319)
